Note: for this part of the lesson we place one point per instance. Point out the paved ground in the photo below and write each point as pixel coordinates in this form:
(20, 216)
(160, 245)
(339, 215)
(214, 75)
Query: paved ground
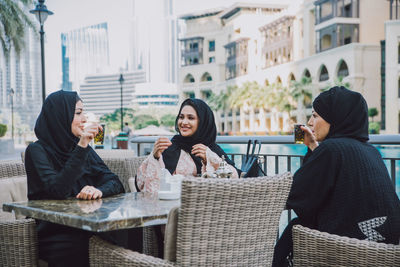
(12, 156)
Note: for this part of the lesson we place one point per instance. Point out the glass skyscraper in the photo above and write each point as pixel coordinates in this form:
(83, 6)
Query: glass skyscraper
(22, 73)
(84, 51)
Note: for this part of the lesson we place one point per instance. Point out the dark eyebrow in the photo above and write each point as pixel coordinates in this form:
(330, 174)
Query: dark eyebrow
(79, 109)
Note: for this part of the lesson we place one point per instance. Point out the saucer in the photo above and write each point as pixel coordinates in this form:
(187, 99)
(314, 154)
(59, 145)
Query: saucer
(167, 195)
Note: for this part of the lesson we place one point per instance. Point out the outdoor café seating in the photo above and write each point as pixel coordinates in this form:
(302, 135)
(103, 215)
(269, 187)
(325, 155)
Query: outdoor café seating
(312, 248)
(221, 222)
(18, 237)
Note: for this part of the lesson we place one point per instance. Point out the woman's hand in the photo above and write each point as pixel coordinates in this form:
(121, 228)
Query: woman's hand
(89, 192)
(88, 133)
(160, 145)
(199, 150)
(309, 138)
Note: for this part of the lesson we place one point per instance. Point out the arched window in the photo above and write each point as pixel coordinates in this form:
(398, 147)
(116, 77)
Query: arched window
(291, 78)
(343, 71)
(266, 82)
(307, 73)
(324, 75)
(189, 78)
(206, 77)
(278, 80)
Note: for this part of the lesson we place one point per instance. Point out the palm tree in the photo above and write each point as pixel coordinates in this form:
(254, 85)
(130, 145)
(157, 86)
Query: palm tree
(337, 82)
(13, 24)
(302, 93)
(220, 102)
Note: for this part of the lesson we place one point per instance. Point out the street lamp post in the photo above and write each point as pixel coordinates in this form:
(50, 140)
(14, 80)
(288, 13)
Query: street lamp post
(12, 113)
(41, 14)
(121, 81)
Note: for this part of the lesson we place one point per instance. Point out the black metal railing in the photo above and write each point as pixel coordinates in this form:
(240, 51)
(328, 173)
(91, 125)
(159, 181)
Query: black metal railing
(280, 163)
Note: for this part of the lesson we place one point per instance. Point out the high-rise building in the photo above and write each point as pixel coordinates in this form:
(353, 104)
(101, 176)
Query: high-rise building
(154, 40)
(22, 73)
(84, 51)
(101, 93)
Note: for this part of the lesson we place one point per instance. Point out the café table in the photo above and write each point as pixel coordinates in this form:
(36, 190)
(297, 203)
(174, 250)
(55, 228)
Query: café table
(117, 212)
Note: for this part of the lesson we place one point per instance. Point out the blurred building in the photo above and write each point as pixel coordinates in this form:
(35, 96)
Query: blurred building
(84, 51)
(101, 93)
(390, 71)
(22, 73)
(163, 95)
(154, 40)
(325, 40)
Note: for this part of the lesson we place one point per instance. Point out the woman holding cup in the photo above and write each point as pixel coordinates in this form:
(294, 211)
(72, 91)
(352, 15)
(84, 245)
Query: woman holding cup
(343, 186)
(192, 151)
(61, 165)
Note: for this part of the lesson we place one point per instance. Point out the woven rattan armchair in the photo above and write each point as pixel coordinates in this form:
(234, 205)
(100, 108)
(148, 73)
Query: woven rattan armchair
(315, 248)
(18, 238)
(221, 222)
(122, 162)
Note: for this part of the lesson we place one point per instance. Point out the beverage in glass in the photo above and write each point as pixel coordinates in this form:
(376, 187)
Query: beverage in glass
(298, 134)
(99, 138)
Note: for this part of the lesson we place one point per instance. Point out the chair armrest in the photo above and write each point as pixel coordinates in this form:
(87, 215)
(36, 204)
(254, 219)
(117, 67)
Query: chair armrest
(315, 248)
(102, 253)
(18, 243)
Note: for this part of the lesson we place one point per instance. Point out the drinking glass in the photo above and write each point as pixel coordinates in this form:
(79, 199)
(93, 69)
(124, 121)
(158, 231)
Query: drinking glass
(99, 138)
(298, 134)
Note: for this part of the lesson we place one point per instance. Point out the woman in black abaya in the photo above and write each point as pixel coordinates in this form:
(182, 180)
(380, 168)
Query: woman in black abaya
(343, 186)
(62, 165)
(191, 152)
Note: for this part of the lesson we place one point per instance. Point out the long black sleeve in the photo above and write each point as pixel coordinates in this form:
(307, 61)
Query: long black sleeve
(106, 181)
(44, 181)
(84, 167)
(312, 182)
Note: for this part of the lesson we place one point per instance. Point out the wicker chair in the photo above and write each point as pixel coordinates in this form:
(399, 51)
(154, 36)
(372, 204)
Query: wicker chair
(18, 238)
(122, 162)
(221, 222)
(315, 248)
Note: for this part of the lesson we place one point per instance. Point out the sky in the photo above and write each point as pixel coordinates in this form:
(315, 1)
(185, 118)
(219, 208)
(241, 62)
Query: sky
(74, 14)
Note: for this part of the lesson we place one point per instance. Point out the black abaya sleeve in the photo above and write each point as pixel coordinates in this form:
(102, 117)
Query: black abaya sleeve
(44, 181)
(106, 181)
(313, 182)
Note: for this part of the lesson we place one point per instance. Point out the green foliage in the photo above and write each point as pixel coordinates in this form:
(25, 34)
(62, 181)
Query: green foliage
(302, 90)
(14, 23)
(372, 112)
(113, 120)
(168, 120)
(374, 127)
(3, 129)
(337, 82)
(144, 120)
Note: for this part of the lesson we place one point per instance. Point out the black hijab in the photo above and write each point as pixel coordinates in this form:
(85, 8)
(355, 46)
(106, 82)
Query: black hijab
(206, 134)
(53, 130)
(346, 111)
(53, 126)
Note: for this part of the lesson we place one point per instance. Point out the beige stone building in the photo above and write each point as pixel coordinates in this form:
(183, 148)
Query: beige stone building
(391, 82)
(325, 40)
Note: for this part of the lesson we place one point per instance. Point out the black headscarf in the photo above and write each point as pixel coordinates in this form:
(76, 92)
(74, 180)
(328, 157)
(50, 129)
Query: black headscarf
(346, 111)
(53, 126)
(206, 134)
(53, 130)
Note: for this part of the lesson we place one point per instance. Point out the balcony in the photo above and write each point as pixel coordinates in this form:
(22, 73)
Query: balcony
(328, 9)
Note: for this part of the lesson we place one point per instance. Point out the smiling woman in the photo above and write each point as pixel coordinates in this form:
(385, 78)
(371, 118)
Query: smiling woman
(191, 152)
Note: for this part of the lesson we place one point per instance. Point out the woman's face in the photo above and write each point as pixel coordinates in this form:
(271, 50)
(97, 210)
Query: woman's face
(188, 121)
(79, 120)
(319, 126)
